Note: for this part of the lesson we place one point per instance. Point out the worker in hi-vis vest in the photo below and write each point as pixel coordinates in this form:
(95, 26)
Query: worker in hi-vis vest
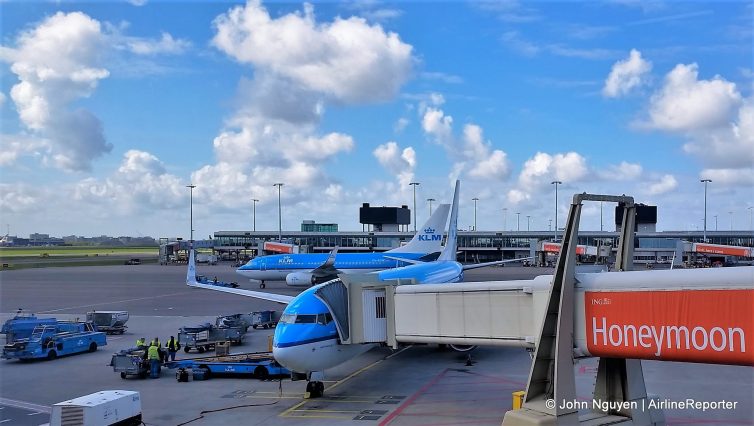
(141, 342)
(154, 361)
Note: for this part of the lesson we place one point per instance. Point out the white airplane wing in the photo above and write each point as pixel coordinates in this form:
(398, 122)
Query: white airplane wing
(401, 259)
(496, 262)
(191, 282)
(279, 298)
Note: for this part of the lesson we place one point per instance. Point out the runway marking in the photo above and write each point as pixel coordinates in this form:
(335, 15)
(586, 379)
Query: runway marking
(413, 398)
(112, 303)
(26, 405)
(3, 421)
(34, 414)
(287, 413)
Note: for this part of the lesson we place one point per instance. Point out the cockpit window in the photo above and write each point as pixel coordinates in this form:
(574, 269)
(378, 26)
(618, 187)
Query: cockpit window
(287, 319)
(306, 319)
(324, 319)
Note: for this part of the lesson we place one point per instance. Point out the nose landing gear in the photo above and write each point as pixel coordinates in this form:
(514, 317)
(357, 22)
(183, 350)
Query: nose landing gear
(315, 389)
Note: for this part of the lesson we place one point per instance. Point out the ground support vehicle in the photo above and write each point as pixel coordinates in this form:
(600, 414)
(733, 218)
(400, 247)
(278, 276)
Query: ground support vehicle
(111, 322)
(51, 341)
(130, 362)
(260, 365)
(22, 325)
(204, 337)
(201, 279)
(264, 319)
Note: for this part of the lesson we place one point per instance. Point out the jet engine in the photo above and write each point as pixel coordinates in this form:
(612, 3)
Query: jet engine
(462, 348)
(299, 279)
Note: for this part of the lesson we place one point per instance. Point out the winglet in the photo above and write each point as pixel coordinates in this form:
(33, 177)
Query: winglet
(451, 245)
(331, 258)
(191, 273)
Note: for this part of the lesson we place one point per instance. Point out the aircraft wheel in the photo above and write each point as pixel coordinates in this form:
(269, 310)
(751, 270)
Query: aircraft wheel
(261, 285)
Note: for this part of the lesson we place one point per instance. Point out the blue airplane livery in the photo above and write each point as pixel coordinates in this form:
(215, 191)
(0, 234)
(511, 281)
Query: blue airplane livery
(306, 338)
(307, 269)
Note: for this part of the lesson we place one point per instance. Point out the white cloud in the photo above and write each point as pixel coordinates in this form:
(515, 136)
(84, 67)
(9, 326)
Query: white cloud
(2, 99)
(58, 62)
(401, 124)
(623, 171)
(443, 77)
(626, 75)
(141, 184)
(484, 162)
(730, 177)
(400, 163)
(731, 146)
(138, 2)
(438, 125)
(165, 45)
(686, 103)
(666, 184)
(539, 171)
(19, 198)
(347, 60)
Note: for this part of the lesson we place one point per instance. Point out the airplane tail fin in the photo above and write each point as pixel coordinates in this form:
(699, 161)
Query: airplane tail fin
(191, 273)
(451, 245)
(428, 239)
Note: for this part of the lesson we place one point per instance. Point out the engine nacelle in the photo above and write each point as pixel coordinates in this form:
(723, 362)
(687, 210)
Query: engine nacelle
(462, 348)
(300, 279)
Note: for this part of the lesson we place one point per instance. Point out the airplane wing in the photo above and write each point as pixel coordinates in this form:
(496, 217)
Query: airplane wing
(400, 259)
(191, 282)
(279, 298)
(327, 269)
(497, 262)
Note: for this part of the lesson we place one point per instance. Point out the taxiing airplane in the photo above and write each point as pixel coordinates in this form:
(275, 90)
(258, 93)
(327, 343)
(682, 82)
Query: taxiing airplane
(306, 269)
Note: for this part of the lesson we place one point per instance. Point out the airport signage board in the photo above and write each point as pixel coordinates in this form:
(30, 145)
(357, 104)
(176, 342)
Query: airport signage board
(709, 326)
(722, 250)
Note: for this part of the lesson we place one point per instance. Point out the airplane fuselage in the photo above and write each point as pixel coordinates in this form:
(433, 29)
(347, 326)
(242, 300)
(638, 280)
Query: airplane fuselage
(277, 267)
(430, 272)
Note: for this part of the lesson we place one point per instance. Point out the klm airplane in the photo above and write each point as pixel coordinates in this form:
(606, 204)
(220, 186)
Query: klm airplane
(306, 338)
(312, 268)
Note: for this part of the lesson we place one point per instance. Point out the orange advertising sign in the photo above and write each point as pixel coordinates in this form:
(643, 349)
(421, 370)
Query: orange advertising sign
(278, 247)
(555, 248)
(710, 326)
(723, 250)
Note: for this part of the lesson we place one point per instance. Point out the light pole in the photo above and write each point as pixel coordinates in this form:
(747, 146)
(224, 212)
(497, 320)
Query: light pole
(191, 210)
(414, 184)
(254, 202)
(528, 222)
(549, 228)
(600, 216)
(715, 222)
(280, 213)
(556, 183)
(705, 182)
(430, 205)
(505, 218)
(518, 221)
(731, 220)
(751, 218)
(475, 200)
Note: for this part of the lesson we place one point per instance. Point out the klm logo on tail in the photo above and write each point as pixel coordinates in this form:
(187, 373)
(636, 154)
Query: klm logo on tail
(429, 235)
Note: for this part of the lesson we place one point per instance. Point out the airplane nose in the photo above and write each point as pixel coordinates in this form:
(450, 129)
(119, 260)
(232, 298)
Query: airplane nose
(284, 357)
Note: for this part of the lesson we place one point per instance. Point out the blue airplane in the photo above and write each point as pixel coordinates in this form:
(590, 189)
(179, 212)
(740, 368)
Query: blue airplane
(307, 269)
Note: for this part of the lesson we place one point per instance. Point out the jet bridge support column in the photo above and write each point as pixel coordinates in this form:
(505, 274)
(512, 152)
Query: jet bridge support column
(552, 383)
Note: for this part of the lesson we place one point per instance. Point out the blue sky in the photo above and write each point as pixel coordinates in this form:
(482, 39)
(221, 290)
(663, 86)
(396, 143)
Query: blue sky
(110, 109)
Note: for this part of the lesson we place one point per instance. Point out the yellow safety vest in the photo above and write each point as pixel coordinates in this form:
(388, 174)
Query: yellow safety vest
(154, 352)
(140, 342)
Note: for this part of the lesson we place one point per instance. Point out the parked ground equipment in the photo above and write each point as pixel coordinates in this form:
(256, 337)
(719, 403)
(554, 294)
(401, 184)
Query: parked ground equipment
(260, 365)
(105, 408)
(201, 279)
(22, 325)
(131, 362)
(51, 341)
(111, 322)
(264, 319)
(203, 337)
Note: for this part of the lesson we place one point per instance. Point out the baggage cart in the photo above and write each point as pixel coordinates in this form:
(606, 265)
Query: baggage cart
(111, 322)
(264, 319)
(204, 337)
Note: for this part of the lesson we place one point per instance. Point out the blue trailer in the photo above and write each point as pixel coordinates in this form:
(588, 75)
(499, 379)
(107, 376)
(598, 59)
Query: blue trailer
(260, 365)
(51, 341)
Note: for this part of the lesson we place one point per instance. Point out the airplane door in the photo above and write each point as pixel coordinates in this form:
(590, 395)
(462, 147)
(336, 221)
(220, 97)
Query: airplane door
(262, 265)
(375, 318)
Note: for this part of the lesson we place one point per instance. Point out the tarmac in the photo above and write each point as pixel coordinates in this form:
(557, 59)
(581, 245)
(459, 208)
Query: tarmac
(417, 385)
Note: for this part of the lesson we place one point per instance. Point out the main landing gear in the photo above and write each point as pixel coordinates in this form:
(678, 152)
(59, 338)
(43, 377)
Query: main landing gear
(261, 284)
(315, 389)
